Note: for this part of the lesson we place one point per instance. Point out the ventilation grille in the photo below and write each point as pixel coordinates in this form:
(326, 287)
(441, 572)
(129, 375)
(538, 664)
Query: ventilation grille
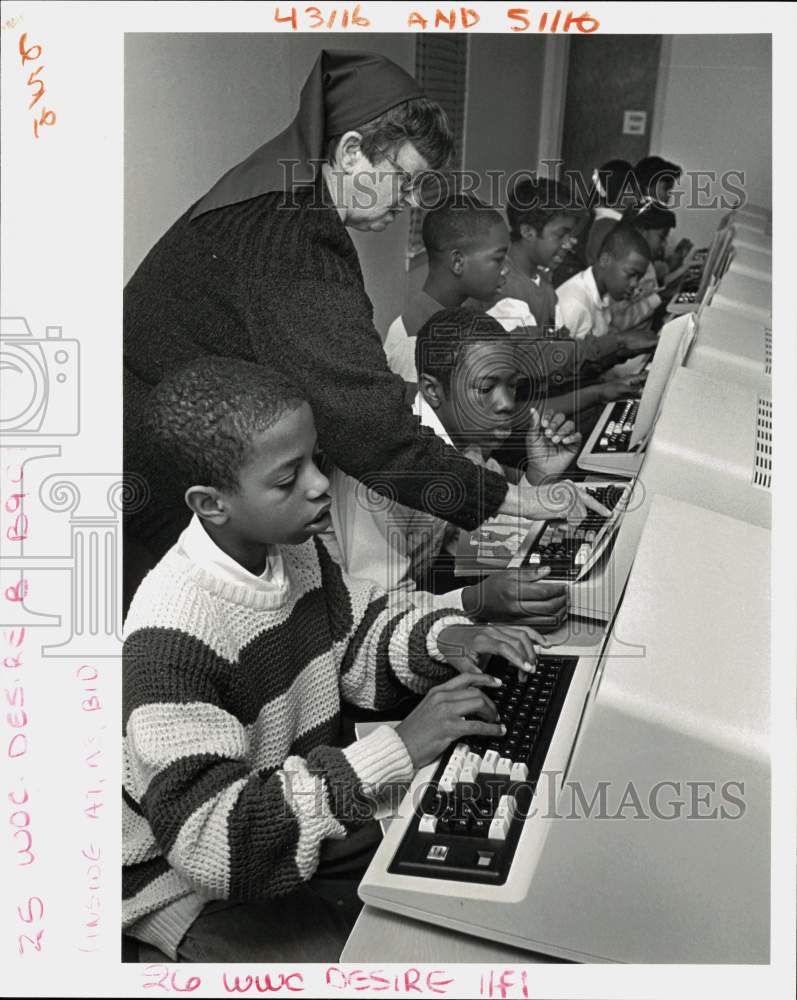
(762, 470)
(767, 350)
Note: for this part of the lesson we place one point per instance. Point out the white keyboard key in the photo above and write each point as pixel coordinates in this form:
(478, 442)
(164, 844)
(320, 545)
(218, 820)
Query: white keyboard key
(460, 752)
(506, 806)
(519, 772)
(581, 556)
(428, 824)
(469, 774)
(489, 762)
(446, 783)
(535, 559)
(504, 766)
(453, 768)
(499, 828)
(470, 769)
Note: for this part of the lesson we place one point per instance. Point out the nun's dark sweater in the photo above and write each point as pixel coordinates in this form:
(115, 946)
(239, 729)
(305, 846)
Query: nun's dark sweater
(279, 283)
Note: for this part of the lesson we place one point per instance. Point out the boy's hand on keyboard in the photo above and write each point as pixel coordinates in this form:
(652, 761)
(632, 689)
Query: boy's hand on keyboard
(625, 387)
(552, 442)
(440, 718)
(463, 645)
(516, 593)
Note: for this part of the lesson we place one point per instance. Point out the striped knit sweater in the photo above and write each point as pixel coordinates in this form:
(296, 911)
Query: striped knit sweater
(282, 286)
(233, 772)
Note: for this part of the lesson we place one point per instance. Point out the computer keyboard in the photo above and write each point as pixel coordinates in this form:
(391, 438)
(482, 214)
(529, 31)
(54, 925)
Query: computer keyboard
(568, 548)
(690, 285)
(616, 434)
(471, 814)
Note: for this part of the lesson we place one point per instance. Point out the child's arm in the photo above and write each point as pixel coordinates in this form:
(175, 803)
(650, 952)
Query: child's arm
(390, 649)
(231, 829)
(599, 393)
(629, 315)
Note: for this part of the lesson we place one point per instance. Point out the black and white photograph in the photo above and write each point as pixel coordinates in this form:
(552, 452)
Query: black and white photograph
(420, 538)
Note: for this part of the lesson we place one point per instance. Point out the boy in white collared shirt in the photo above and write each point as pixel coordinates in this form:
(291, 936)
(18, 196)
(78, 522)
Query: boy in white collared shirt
(468, 374)
(586, 299)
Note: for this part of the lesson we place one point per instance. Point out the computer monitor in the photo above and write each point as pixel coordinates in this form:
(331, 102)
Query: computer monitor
(714, 267)
(733, 347)
(747, 295)
(712, 447)
(676, 708)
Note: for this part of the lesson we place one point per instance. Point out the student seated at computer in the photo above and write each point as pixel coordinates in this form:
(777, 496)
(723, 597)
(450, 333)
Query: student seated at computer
(586, 299)
(466, 243)
(542, 227)
(654, 223)
(246, 821)
(616, 189)
(656, 178)
(469, 368)
(659, 283)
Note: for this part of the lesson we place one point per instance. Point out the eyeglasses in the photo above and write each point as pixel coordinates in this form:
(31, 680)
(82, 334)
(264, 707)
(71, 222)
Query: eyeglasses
(409, 186)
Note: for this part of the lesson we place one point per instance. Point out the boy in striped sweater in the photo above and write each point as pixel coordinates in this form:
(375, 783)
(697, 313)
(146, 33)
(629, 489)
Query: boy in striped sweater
(244, 817)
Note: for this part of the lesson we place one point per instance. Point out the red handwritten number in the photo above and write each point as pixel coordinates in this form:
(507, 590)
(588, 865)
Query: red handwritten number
(290, 19)
(14, 502)
(168, 980)
(37, 944)
(25, 52)
(151, 971)
(318, 17)
(47, 118)
(39, 83)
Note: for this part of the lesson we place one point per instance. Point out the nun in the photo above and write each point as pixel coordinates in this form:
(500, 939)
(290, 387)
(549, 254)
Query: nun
(263, 268)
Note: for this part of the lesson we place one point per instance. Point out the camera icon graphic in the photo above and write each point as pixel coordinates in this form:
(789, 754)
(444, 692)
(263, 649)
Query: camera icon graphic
(41, 381)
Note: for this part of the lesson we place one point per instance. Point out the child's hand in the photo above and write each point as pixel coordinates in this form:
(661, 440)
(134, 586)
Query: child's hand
(626, 387)
(462, 645)
(634, 342)
(552, 442)
(516, 593)
(680, 270)
(440, 717)
(678, 255)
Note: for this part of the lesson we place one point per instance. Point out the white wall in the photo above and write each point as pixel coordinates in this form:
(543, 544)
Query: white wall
(715, 113)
